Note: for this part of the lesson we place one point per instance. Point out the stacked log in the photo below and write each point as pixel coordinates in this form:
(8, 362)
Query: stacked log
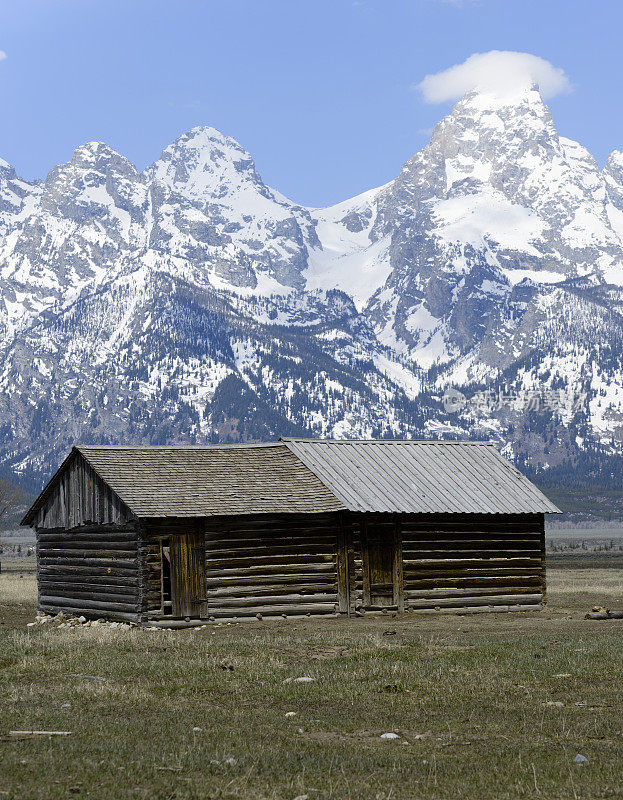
(92, 570)
(455, 563)
(272, 565)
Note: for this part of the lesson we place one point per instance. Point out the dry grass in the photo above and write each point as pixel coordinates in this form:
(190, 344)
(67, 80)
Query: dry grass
(585, 587)
(478, 702)
(18, 588)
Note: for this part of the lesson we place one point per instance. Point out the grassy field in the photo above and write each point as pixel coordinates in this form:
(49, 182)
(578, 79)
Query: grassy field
(485, 706)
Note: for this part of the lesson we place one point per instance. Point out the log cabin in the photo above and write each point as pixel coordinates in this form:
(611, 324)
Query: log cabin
(178, 536)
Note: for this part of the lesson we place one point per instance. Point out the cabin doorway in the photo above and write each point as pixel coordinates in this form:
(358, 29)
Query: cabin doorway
(184, 576)
(382, 565)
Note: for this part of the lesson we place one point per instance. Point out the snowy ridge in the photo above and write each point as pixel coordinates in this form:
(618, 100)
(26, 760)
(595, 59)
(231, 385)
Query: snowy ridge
(192, 302)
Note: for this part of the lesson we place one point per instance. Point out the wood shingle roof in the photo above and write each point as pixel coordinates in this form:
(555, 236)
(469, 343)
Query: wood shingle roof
(208, 481)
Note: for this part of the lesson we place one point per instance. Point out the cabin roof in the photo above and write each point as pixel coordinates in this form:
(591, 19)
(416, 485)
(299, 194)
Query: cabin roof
(311, 476)
(424, 476)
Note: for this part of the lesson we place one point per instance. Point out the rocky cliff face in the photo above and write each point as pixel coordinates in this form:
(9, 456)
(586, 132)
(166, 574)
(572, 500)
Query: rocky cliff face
(194, 303)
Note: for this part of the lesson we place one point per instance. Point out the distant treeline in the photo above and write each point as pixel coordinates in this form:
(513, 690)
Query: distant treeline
(591, 484)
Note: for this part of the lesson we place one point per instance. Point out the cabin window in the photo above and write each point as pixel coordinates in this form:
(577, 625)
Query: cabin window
(165, 560)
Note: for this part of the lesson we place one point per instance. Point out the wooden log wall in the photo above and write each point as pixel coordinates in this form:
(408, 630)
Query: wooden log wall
(272, 565)
(294, 565)
(94, 571)
(80, 497)
(458, 562)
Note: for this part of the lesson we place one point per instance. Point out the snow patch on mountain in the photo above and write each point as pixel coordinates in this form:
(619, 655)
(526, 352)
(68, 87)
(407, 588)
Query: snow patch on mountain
(487, 217)
(347, 258)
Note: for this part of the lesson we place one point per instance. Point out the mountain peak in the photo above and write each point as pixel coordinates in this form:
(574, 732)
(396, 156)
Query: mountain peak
(525, 97)
(99, 156)
(205, 136)
(205, 162)
(615, 162)
(6, 170)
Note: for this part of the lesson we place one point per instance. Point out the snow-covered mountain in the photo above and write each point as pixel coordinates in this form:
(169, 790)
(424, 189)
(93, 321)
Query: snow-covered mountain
(191, 302)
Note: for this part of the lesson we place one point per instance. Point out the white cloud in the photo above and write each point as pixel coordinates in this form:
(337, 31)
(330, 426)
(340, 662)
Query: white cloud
(3, 55)
(500, 72)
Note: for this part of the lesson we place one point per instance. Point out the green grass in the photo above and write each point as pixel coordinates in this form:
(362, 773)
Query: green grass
(475, 700)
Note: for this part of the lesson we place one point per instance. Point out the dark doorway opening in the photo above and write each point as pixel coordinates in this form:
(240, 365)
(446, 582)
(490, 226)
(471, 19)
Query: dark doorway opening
(165, 557)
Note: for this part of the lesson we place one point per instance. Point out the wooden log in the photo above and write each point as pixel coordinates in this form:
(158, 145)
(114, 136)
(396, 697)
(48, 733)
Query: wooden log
(94, 552)
(92, 604)
(276, 610)
(243, 578)
(86, 594)
(296, 530)
(293, 553)
(467, 591)
(64, 537)
(69, 576)
(89, 613)
(452, 533)
(475, 570)
(66, 587)
(88, 561)
(243, 590)
(269, 560)
(476, 600)
(269, 539)
(79, 604)
(272, 538)
(476, 580)
(443, 561)
(604, 615)
(93, 527)
(270, 522)
(271, 570)
(108, 547)
(459, 533)
(416, 556)
(491, 609)
(470, 538)
(270, 600)
(91, 571)
(499, 522)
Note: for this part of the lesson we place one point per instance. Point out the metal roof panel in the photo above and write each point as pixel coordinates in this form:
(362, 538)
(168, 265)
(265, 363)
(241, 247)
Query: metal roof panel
(423, 476)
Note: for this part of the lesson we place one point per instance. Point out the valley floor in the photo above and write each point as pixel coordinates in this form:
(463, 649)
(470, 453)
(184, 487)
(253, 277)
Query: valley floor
(485, 706)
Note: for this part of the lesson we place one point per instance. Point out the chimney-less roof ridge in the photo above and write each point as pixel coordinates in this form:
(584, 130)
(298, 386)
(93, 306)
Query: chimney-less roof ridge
(134, 447)
(444, 442)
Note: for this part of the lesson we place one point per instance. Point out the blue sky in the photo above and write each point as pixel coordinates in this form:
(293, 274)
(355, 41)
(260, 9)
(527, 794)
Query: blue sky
(321, 93)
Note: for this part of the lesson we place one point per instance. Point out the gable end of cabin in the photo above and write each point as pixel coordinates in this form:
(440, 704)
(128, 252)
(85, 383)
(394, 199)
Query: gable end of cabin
(89, 553)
